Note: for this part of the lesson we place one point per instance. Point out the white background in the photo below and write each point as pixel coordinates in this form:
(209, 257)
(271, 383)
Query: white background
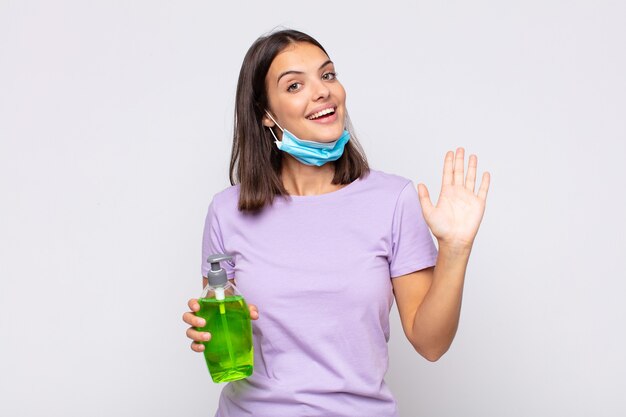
(115, 127)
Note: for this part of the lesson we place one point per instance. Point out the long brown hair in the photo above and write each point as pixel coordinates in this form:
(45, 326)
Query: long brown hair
(255, 161)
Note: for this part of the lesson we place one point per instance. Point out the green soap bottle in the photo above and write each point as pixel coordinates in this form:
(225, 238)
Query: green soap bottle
(229, 354)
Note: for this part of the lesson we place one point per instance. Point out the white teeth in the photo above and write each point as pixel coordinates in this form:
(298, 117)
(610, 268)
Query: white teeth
(321, 113)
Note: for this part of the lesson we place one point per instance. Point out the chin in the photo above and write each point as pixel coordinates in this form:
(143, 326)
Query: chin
(331, 136)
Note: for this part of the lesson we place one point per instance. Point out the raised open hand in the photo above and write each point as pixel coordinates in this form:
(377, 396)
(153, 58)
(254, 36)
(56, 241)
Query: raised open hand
(456, 218)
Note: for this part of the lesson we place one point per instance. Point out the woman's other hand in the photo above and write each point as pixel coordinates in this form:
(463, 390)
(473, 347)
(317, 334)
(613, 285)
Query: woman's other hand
(194, 321)
(456, 218)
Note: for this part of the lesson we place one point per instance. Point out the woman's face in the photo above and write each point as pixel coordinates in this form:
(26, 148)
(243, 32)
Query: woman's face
(303, 94)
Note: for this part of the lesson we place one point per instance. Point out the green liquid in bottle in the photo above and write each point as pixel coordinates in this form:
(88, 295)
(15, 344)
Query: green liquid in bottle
(229, 354)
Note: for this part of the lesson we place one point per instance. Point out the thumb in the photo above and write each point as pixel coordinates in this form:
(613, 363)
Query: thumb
(424, 196)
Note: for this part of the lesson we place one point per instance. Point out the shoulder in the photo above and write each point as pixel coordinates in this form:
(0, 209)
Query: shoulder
(226, 200)
(386, 182)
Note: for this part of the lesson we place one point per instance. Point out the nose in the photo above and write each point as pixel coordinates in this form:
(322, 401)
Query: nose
(320, 91)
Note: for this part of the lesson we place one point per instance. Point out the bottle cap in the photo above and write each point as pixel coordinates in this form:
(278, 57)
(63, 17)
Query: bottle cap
(217, 275)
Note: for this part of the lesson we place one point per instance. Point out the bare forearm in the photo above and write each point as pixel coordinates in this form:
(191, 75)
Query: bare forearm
(437, 318)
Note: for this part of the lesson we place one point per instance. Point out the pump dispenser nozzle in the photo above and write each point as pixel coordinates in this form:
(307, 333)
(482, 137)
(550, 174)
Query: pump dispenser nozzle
(217, 276)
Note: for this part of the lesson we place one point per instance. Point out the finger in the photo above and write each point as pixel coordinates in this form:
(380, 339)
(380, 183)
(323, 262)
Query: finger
(193, 304)
(448, 168)
(459, 161)
(193, 320)
(424, 196)
(197, 347)
(197, 336)
(484, 186)
(470, 180)
(254, 312)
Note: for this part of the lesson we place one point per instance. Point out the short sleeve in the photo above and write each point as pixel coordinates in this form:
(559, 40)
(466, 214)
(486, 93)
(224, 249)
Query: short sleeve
(213, 242)
(412, 244)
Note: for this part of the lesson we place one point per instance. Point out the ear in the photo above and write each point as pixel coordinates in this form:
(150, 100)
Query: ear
(267, 122)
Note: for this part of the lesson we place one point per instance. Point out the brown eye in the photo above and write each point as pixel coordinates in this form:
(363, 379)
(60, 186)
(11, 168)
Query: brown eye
(293, 87)
(329, 76)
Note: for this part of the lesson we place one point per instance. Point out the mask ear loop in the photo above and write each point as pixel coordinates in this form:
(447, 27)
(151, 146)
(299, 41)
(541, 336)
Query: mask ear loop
(278, 143)
(270, 116)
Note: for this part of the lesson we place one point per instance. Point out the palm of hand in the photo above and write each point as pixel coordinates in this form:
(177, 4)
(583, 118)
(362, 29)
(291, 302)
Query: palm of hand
(456, 217)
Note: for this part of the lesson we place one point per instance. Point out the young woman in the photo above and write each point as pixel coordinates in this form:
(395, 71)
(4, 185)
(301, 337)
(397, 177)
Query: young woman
(322, 244)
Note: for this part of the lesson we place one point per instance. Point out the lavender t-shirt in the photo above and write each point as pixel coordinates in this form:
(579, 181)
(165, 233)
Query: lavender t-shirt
(319, 269)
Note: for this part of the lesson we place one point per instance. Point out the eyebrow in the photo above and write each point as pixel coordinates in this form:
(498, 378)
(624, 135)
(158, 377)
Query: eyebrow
(300, 72)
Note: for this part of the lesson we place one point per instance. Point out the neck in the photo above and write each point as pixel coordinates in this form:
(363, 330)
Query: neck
(300, 179)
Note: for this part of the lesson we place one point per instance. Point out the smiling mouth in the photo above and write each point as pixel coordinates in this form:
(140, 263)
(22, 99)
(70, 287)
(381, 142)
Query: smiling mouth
(322, 114)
